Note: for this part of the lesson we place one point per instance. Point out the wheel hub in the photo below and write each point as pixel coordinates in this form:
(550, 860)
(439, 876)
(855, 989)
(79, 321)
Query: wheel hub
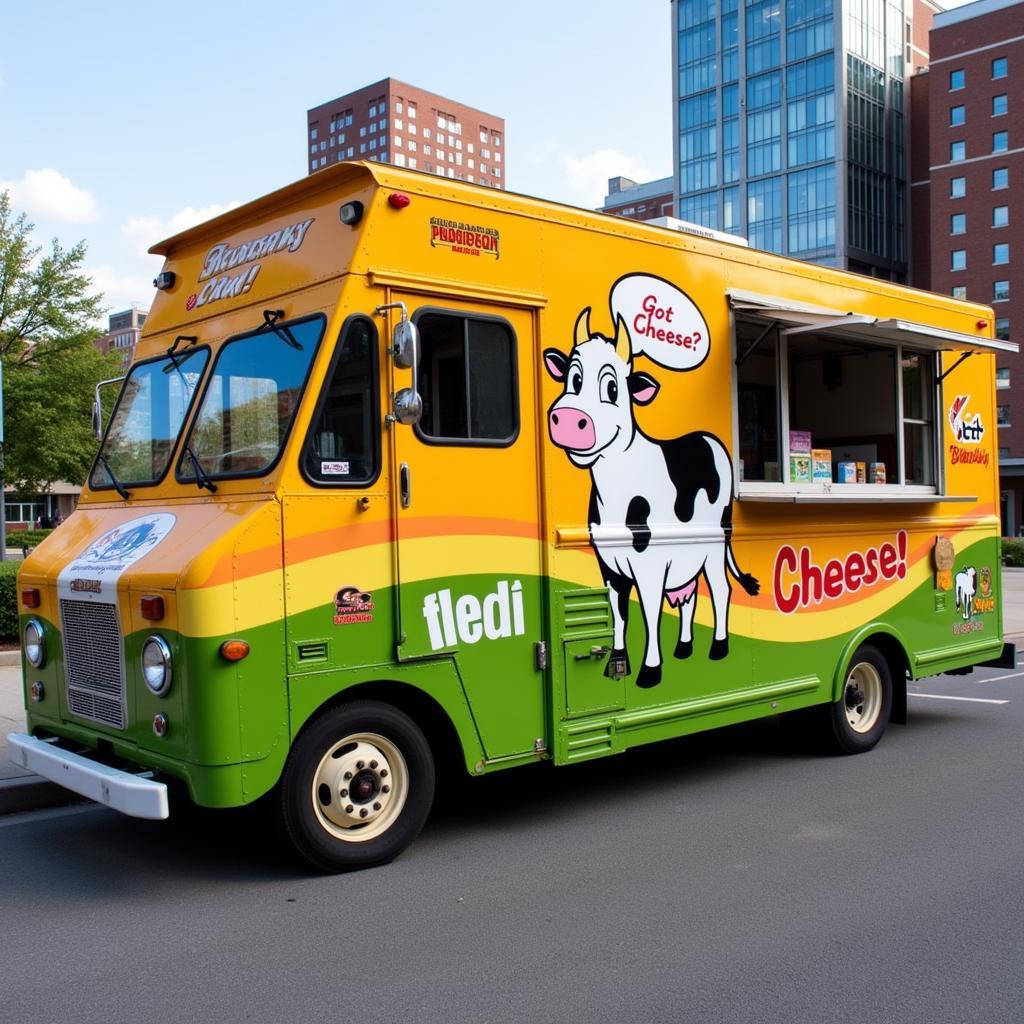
(862, 697)
(360, 787)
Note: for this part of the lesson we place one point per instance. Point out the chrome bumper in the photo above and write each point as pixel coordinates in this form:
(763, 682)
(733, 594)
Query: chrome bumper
(130, 794)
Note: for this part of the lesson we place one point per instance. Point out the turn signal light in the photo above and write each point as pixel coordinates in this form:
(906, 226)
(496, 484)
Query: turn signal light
(30, 597)
(399, 200)
(234, 650)
(152, 608)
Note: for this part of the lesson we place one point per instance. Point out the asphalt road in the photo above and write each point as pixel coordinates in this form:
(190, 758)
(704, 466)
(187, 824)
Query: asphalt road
(726, 878)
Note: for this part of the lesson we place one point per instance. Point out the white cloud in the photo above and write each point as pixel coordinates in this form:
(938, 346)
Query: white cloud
(586, 177)
(140, 232)
(47, 193)
(123, 288)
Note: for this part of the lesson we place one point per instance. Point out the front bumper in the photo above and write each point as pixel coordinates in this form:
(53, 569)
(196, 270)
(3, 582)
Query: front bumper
(131, 794)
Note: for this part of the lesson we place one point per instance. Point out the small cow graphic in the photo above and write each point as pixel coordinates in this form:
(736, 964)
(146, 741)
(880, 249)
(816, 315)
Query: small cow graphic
(966, 584)
(683, 487)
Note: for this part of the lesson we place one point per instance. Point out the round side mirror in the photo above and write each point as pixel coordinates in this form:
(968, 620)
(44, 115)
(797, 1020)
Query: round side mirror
(404, 344)
(408, 406)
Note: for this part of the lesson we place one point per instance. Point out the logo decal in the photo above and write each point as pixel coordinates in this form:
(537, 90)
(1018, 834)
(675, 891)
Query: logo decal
(466, 239)
(468, 619)
(352, 605)
(967, 430)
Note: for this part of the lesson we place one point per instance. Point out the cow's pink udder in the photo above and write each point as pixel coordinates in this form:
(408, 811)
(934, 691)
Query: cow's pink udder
(677, 597)
(572, 428)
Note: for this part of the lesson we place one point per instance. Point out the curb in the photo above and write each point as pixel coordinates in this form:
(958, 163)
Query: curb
(10, 658)
(32, 793)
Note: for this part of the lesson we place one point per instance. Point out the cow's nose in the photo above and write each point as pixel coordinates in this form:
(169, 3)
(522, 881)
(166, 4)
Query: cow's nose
(572, 428)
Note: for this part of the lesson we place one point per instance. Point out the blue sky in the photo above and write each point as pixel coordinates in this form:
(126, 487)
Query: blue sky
(122, 122)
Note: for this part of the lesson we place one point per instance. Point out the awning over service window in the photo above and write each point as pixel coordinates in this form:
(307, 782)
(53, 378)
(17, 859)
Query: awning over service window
(805, 318)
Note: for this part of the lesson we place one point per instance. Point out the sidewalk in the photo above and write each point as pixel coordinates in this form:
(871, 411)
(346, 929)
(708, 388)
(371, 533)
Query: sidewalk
(20, 790)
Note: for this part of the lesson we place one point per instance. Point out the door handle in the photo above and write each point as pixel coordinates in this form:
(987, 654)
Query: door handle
(595, 652)
(403, 484)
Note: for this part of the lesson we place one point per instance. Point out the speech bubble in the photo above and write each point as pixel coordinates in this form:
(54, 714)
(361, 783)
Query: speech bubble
(664, 323)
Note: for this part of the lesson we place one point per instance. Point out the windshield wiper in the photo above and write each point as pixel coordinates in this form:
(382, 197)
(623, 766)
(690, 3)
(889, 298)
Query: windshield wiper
(173, 353)
(270, 318)
(118, 486)
(202, 477)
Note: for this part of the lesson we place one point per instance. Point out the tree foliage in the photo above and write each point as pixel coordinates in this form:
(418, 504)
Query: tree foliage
(50, 365)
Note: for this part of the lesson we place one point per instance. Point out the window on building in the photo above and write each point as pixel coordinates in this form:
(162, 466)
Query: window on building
(467, 379)
(411, 110)
(398, 140)
(373, 111)
(959, 291)
(956, 79)
(957, 188)
(412, 162)
(1001, 291)
(1003, 416)
(812, 212)
(764, 214)
(1003, 377)
(1000, 142)
(1001, 253)
(313, 133)
(999, 105)
(1000, 178)
(999, 67)
(957, 115)
(362, 131)
(958, 224)
(313, 148)
(1003, 328)
(399, 159)
(1000, 216)
(957, 151)
(323, 160)
(958, 259)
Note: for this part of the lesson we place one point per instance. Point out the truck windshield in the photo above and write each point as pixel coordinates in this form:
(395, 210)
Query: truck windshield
(250, 400)
(147, 419)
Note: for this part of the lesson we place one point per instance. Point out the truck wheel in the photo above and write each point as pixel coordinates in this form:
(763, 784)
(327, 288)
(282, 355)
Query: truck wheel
(357, 787)
(861, 714)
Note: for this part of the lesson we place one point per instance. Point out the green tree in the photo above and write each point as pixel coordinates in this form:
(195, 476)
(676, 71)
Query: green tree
(50, 365)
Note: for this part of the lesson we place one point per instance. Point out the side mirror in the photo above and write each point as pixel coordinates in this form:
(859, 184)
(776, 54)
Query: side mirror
(97, 418)
(405, 344)
(408, 406)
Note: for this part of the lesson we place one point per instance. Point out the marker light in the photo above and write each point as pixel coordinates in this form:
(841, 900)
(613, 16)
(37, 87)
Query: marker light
(160, 725)
(156, 665)
(399, 200)
(164, 280)
(38, 691)
(234, 650)
(35, 649)
(152, 607)
(351, 213)
(981, 324)
(30, 597)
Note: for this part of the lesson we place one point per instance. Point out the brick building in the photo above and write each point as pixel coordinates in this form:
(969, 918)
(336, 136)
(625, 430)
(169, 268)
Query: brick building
(967, 124)
(627, 198)
(123, 334)
(396, 123)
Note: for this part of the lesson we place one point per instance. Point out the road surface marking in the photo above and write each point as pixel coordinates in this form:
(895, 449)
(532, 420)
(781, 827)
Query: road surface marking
(995, 679)
(972, 700)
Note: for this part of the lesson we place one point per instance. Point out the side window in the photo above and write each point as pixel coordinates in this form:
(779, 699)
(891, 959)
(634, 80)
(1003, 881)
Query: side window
(343, 446)
(467, 379)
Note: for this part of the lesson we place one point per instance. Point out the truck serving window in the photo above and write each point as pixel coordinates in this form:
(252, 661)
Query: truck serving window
(146, 422)
(250, 400)
(467, 379)
(823, 408)
(343, 446)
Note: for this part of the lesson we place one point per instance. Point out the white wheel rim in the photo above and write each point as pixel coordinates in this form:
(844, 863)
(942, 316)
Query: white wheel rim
(862, 697)
(360, 787)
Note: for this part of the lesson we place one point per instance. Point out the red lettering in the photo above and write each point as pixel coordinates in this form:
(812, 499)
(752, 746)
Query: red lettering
(854, 571)
(833, 578)
(887, 558)
(871, 560)
(785, 561)
(810, 574)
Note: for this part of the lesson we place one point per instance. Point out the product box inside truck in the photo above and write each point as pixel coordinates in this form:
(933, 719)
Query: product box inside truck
(408, 468)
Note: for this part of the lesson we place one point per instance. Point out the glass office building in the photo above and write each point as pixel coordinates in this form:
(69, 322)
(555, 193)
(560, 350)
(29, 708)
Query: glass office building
(790, 126)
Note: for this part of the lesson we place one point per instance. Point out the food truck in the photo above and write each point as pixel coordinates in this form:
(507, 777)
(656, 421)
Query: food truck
(407, 470)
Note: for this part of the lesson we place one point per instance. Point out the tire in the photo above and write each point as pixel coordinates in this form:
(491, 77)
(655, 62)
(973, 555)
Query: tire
(356, 788)
(859, 717)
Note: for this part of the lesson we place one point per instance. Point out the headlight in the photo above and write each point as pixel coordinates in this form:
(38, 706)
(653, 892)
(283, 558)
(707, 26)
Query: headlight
(156, 665)
(35, 649)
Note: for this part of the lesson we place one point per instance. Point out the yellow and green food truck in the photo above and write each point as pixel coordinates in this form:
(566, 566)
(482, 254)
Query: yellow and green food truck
(407, 469)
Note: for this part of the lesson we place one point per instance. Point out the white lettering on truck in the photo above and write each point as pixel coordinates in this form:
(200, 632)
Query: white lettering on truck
(469, 619)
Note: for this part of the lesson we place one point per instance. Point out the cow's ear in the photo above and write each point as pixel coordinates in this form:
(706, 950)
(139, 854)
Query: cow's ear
(642, 387)
(557, 363)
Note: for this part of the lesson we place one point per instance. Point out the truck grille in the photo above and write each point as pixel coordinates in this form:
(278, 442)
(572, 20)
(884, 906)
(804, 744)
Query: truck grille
(93, 662)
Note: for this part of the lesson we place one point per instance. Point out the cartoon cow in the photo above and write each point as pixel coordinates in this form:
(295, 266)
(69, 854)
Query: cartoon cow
(965, 583)
(660, 511)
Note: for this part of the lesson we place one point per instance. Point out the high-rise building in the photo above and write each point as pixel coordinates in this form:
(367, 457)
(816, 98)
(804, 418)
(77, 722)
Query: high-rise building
(123, 334)
(968, 167)
(790, 124)
(627, 198)
(396, 123)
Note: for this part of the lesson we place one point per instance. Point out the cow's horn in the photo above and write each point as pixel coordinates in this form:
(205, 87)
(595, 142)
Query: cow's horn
(622, 339)
(582, 332)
